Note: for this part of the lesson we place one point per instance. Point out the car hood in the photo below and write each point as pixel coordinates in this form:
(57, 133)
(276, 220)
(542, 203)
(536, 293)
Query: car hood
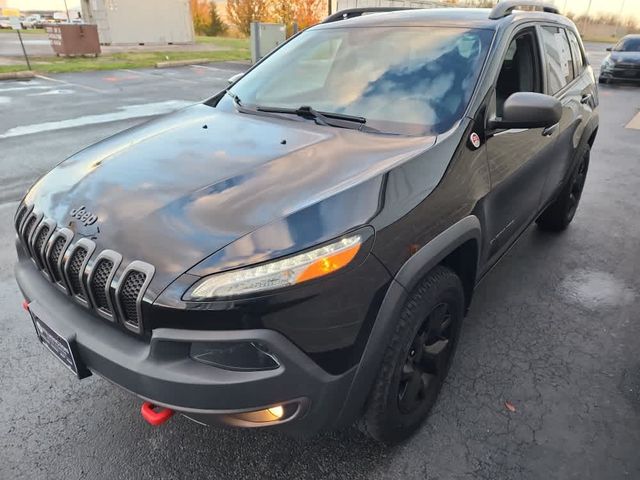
(626, 57)
(177, 189)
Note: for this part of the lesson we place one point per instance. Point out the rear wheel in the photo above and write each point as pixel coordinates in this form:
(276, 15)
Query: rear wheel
(560, 213)
(417, 359)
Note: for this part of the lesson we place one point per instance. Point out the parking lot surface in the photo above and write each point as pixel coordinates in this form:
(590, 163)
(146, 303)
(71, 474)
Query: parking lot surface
(553, 331)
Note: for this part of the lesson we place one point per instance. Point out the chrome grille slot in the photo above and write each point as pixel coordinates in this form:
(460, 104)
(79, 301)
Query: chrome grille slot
(39, 244)
(98, 284)
(28, 230)
(20, 218)
(74, 271)
(132, 286)
(130, 292)
(54, 257)
(42, 237)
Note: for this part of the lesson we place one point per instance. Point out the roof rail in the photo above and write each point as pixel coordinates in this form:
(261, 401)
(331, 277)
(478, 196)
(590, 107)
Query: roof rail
(504, 8)
(357, 12)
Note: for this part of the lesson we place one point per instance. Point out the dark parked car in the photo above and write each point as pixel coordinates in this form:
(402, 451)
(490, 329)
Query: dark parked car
(299, 251)
(623, 63)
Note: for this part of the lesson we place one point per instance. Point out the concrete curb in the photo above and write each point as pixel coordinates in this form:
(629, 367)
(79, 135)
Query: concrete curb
(183, 63)
(23, 75)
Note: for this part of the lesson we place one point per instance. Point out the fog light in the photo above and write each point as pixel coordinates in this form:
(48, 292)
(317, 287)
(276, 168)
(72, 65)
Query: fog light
(243, 356)
(276, 411)
(275, 414)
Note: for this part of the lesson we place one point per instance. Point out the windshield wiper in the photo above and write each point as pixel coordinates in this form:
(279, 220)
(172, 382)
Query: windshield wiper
(236, 98)
(321, 118)
(332, 119)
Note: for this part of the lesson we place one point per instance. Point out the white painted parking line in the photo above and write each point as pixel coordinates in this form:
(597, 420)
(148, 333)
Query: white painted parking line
(124, 113)
(635, 122)
(161, 77)
(208, 68)
(29, 87)
(225, 74)
(54, 91)
(79, 85)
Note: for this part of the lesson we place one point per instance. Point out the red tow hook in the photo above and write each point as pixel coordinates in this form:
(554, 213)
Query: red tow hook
(155, 415)
(25, 305)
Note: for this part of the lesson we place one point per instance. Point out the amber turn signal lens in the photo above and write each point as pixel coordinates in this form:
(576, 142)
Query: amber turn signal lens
(328, 264)
(279, 273)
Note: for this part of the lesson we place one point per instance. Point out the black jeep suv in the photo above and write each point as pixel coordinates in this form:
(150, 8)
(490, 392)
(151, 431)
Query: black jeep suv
(299, 250)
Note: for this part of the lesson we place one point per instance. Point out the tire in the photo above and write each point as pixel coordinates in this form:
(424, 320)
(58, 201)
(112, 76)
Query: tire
(603, 80)
(557, 216)
(410, 379)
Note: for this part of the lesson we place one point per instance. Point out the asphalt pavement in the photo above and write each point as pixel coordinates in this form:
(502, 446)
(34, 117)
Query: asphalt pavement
(553, 331)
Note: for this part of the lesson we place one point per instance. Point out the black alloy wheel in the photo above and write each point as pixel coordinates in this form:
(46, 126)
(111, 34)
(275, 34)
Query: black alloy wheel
(428, 360)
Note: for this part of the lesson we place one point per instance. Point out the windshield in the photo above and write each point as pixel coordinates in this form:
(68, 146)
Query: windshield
(410, 80)
(628, 45)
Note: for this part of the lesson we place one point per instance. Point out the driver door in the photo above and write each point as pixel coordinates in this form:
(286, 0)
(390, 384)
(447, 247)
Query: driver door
(516, 156)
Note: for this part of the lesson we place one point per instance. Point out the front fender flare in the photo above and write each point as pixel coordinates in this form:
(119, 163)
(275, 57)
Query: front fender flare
(404, 281)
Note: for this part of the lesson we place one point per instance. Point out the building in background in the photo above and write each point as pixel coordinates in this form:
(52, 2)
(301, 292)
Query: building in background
(140, 21)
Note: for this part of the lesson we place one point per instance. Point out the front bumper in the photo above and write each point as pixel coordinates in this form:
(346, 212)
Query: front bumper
(621, 74)
(161, 370)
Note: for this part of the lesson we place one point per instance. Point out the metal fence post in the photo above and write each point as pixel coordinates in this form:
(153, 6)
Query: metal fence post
(255, 41)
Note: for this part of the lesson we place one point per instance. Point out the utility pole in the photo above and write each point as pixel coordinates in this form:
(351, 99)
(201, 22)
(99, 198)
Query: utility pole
(24, 51)
(586, 18)
(67, 10)
(620, 17)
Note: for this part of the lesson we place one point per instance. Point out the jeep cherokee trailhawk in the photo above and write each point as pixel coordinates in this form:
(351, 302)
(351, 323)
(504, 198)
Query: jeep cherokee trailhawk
(299, 250)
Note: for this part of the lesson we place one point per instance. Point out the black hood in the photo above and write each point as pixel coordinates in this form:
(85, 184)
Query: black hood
(175, 190)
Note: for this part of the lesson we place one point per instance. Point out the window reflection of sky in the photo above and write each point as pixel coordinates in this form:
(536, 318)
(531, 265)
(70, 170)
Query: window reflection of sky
(393, 77)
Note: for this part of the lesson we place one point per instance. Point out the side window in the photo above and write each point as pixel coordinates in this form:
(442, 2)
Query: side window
(576, 51)
(520, 71)
(558, 57)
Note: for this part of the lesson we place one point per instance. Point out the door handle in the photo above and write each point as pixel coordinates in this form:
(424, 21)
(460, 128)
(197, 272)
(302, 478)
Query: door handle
(586, 98)
(547, 132)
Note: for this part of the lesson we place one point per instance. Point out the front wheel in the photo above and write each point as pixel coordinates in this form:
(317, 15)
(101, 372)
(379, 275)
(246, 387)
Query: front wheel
(560, 213)
(417, 359)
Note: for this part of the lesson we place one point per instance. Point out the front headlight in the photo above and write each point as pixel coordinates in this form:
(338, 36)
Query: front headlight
(607, 64)
(278, 273)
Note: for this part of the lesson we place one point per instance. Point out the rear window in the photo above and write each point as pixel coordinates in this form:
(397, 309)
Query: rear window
(412, 80)
(558, 58)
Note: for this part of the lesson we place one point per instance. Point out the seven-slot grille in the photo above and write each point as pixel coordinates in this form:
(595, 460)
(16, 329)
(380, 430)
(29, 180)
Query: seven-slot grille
(47, 246)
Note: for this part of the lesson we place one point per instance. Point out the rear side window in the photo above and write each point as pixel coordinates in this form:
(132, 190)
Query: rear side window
(559, 62)
(576, 51)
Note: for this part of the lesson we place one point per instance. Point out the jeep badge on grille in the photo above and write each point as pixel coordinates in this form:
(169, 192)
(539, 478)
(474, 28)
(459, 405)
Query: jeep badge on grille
(85, 217)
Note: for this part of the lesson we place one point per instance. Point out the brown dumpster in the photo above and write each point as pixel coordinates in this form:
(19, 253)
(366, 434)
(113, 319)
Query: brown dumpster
(74, 39)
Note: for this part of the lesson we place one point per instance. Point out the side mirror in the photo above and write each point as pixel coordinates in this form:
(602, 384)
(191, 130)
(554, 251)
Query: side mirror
(609, 49)
(529, 110)
(235, 78)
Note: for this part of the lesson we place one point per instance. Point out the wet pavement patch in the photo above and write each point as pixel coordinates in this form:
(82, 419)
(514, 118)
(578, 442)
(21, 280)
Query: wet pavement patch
(594, 289)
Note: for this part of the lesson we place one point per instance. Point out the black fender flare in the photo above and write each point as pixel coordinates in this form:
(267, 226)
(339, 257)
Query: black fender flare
(405, 280)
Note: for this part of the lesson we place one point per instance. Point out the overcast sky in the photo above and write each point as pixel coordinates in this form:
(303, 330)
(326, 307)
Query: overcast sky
(631, 7)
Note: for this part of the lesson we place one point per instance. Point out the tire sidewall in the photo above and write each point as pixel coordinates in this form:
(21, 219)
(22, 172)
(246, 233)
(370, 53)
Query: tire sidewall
(397, 424)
